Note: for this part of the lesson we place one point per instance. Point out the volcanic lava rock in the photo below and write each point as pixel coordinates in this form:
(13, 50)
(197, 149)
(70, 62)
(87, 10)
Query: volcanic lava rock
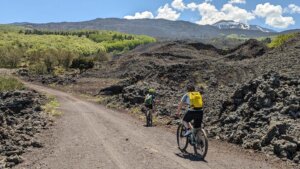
(250, 49)
(264, 115)
(21, 117)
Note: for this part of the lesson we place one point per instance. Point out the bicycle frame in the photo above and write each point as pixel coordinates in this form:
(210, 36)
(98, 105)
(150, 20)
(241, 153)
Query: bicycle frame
(197, 139)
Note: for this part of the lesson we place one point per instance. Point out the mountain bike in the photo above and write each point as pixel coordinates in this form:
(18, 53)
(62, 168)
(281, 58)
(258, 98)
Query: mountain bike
(148, 111)
(149, 117)
(198, 139)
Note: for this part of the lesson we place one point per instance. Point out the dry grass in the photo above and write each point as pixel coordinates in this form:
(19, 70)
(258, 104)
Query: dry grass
(52, 107)
(8, 83)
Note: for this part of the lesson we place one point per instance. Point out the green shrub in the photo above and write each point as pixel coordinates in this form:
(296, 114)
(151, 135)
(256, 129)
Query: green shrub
(10, 57)
(82, 64)
(9, 83)
(52, 107)
(101, 56)
(58, 71)
(280, 40)
(38, 68)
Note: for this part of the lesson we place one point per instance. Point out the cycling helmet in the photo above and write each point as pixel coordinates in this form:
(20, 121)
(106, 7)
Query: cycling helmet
(152, 91)
(190, 87)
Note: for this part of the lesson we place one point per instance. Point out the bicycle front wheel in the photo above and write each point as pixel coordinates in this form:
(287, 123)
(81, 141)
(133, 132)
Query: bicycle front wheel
(182, 141)
(201, 143)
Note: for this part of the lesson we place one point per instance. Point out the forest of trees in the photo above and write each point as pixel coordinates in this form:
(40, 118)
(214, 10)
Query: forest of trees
(44, 51)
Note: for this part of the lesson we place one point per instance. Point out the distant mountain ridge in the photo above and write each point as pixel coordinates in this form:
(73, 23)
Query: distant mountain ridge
(228, 24)
(158, 28)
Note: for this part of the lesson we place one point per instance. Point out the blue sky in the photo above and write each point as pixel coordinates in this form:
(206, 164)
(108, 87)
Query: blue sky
(276, 14)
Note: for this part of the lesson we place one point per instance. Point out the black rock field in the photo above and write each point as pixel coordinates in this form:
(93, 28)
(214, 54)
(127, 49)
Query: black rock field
(264, 115)
(21, 119)
(251, 92)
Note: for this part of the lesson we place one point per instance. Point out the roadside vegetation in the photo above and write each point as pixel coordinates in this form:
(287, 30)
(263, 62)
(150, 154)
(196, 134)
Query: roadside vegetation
(52, 106)
(280, 40)
(43, 52)
(9, 84)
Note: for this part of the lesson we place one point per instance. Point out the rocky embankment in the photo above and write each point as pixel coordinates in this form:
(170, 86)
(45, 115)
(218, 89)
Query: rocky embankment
(169, 66)
(264, 115)
(48, 79)
(21, 118)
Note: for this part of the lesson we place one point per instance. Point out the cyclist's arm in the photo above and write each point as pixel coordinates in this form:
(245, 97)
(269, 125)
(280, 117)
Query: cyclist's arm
(182, 103)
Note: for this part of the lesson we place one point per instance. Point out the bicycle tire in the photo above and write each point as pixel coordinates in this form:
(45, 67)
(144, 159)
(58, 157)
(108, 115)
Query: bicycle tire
(150, 119)
(181, 138)
(204, 140)
(147, 118)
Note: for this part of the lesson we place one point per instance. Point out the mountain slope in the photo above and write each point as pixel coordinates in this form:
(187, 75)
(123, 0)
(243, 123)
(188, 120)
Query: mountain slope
(290, 31)
(224, 24)
(158, 28)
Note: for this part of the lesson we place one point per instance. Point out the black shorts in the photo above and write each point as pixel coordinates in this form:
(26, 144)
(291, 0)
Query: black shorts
(149, 106)
(196, 115)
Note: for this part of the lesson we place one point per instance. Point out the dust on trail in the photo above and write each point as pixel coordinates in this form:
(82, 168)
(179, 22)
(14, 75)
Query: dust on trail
(91, 136)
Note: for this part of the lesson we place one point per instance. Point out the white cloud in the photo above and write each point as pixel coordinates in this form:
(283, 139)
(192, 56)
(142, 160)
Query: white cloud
(273, 15)
(280, 21)
(142, 15)
(292, 9)
(168, 13)
(237, 14)
(179, 5)
(210, 14)
(193, 6)
(237, 1)
(268, 10)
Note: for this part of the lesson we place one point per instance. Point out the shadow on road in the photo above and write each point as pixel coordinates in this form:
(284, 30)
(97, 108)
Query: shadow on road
(150, 126)
(190, 156)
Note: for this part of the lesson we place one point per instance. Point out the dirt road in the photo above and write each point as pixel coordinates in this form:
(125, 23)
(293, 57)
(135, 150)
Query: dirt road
(90, 136)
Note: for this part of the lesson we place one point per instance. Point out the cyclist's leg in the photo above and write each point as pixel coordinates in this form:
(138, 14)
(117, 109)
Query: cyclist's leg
(152, 109)
(198, 117)
(187, 119)
(148, 109)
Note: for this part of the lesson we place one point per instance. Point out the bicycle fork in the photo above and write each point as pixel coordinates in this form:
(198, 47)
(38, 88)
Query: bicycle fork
(191, 137)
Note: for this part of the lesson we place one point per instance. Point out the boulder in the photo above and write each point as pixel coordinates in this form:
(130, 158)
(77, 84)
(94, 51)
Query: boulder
(112, 90)
(284, 148)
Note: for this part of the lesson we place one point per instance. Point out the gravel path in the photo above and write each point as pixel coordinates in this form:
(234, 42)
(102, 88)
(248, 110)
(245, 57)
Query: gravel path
(90, 136)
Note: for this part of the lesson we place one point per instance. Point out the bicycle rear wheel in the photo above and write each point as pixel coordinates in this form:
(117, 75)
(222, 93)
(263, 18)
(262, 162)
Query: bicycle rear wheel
(201, 143)
(181, 140)
(150, 119)
(147, 118)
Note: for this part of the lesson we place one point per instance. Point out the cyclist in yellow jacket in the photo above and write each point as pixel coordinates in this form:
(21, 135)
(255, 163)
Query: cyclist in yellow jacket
(193, 100)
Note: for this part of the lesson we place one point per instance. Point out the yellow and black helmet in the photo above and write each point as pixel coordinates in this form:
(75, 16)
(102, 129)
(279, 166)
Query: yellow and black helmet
(151, 90)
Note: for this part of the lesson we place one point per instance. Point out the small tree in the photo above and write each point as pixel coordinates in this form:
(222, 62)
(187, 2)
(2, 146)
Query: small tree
(82, 64)
(49, 59)
(65, 58)
(101, 56)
